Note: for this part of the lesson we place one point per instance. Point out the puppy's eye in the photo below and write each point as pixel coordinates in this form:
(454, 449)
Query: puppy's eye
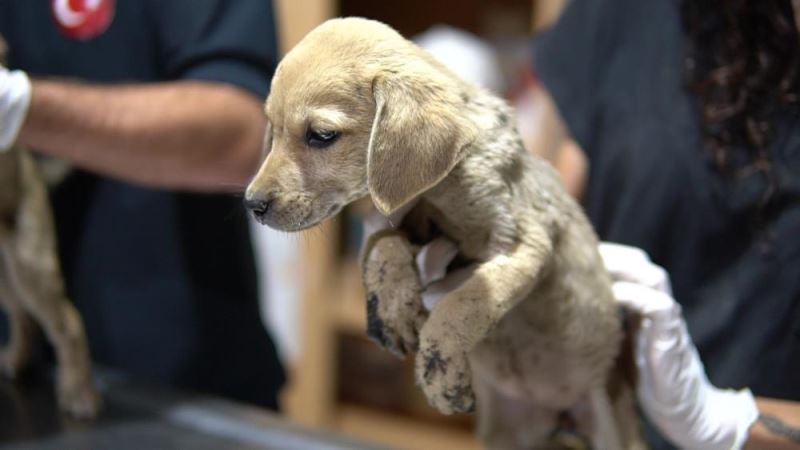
(321, 138)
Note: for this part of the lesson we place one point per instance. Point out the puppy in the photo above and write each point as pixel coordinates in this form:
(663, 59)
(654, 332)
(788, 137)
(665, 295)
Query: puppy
(531, 337)
(31, 284)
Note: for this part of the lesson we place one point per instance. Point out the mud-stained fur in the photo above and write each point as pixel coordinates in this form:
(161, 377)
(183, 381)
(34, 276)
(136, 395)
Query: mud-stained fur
(32, 287)
(532, 336)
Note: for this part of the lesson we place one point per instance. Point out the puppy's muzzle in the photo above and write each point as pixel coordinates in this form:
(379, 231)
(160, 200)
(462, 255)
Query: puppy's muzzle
(260, 205)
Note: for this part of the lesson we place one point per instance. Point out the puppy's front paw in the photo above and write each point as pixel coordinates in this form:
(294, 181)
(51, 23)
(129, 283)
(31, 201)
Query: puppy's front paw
(445, 378)
(395, 312)
(394, 323)
(79, 398)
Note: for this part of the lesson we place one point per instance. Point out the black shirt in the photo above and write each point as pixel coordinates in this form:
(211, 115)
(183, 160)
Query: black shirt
(614, 69)
(165, 281)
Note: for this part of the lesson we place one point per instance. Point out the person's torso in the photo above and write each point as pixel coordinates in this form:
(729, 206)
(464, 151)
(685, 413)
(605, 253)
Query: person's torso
(40, 43)
(165, 281)
(651, 185)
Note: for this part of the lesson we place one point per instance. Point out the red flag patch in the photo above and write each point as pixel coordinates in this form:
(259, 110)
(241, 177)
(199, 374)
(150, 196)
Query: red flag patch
(83, 19)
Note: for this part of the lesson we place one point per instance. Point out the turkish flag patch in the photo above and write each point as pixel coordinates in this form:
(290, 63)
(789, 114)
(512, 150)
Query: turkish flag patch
(83, 19)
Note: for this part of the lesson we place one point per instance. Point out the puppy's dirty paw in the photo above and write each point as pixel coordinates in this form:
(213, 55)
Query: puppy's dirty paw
(446, 379)
(80, 400)
(395, 312)
(394, 328)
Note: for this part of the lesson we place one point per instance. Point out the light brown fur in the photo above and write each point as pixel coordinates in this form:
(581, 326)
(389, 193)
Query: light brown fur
(31, 285)
(534, 332)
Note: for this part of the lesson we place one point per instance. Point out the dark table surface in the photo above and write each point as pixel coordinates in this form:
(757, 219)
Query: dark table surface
(137, 416)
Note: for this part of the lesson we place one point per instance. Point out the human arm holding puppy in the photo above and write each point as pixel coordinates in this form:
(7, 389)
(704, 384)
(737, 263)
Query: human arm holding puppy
(647, 177)
(179, 107)
(181, 134)
(673, 388)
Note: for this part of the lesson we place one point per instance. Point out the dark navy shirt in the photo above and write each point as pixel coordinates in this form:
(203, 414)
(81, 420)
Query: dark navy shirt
(614, 69)
(165, 281)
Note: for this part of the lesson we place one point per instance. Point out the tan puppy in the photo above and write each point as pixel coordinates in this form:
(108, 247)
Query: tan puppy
(31, 285)
(532, 335)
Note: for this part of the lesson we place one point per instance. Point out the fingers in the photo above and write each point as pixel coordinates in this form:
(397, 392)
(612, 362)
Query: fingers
(673, 388)
(433, 259)
(643, 299)
(618, 255)
(15, 97)
(432, 262)
(438, 289)
(625, 263)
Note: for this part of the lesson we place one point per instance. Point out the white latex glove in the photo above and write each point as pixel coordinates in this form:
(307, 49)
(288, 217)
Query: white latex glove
(673, 388)
(432, 262)
(15, 97)
(432, 259)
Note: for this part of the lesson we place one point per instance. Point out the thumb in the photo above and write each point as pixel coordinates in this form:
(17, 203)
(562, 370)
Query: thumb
(626, 263)
(433, 259)
(651, 303)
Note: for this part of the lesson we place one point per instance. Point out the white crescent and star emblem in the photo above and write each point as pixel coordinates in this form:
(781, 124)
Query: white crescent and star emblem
(83, 19)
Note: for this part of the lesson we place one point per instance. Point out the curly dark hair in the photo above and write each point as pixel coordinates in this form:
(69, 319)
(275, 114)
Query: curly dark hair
(742, 66)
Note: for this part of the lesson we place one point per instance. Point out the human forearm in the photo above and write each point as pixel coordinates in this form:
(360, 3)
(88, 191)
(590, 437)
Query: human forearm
(773, 429)
(550, 140)
(673, 389)
(184, 135)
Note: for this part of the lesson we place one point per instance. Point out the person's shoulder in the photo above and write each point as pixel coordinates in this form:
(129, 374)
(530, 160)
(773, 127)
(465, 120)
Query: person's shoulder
(598, 48)
(233, 42)
(602, 19)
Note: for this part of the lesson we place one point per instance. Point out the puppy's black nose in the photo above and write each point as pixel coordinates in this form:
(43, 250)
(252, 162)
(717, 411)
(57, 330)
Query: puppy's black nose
(259, 205)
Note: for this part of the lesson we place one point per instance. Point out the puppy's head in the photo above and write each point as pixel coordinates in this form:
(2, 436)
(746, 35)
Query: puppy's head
(354, 110)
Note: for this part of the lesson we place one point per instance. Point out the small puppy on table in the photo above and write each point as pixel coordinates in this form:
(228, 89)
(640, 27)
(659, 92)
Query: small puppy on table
(530, 339)
(31, 284)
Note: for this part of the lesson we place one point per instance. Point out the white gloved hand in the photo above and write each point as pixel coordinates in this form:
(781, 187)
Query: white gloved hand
(673, 388)
(432, 259)
(15, 97)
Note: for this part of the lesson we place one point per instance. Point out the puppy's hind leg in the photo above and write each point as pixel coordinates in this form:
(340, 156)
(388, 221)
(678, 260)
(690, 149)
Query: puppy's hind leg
(16, 354)
(627, 419)
(611, 417)
(513, 423)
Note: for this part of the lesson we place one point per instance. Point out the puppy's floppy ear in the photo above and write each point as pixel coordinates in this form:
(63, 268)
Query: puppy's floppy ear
(418, 135)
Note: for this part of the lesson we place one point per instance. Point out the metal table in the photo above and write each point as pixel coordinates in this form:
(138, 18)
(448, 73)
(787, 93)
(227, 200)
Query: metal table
(137, 416)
